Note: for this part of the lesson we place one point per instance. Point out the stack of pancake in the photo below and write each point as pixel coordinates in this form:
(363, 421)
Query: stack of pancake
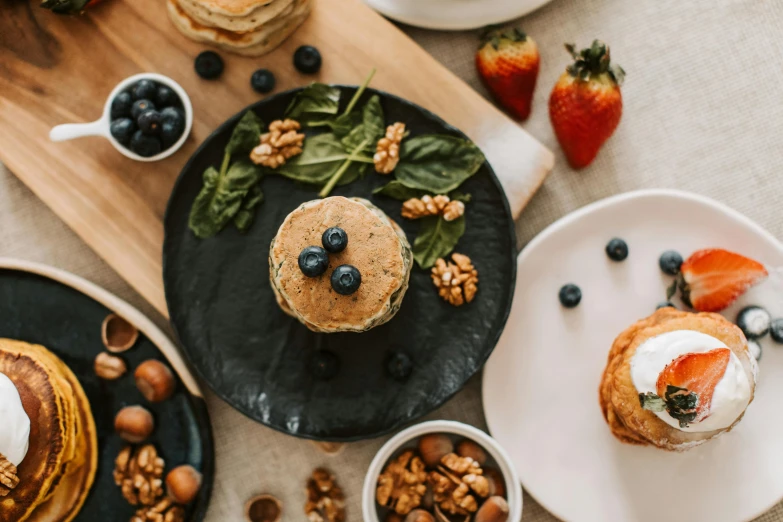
(58, 470)
(248, 27)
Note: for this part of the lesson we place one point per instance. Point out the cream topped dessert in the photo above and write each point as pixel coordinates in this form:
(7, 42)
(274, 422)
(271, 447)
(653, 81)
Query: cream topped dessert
(15, 425)
(701, 364)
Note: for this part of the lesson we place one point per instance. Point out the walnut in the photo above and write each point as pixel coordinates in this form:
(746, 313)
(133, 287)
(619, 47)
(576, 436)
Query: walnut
(456, 280)
(325, 499)
(282, 142)
(8, 478)
(457, 484)
(401, 486)
(416, 208)
(387, 151)
(164, 511)
(139, 474)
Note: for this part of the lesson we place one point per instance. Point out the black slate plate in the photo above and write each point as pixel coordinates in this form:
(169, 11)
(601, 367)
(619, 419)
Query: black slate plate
(256, 357)
(39, 310)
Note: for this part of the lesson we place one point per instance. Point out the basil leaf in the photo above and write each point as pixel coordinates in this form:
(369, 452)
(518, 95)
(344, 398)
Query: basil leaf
(246, 134)
(460, 196)
(321, 157)
(316, 101)
(341, 125)
(370, 130)
(221, 197)
(247, 212)
(396, 190)
(437, 163)
(437, 238)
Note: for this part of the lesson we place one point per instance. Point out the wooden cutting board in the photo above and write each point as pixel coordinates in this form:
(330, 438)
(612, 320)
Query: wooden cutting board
(56, 69)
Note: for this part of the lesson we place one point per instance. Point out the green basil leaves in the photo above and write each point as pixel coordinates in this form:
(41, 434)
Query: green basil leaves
(437, 238)
(437, 163)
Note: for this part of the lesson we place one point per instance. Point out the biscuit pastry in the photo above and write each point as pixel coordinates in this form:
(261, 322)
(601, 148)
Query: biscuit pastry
(377, 247)
(677, 379)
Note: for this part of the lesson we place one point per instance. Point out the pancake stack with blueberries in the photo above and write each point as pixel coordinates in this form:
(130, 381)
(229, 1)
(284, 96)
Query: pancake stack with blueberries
(48, 442)
(340, 265)
(248, 27)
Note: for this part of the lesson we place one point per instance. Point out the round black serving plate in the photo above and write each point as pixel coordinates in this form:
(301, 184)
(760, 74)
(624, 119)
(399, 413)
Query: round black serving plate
(256, 357)
(39, 310)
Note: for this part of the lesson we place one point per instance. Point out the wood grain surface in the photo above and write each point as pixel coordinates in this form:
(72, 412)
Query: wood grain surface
(56, 69)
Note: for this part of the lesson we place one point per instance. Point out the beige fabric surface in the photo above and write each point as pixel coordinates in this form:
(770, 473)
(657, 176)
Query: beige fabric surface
(703, 112)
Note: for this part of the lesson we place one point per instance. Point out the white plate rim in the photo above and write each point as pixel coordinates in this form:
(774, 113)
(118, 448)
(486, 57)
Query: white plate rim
(596, 206)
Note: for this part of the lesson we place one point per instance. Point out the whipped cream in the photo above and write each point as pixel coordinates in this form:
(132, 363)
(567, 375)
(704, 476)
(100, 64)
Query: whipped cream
(732, 394)
(15, 425)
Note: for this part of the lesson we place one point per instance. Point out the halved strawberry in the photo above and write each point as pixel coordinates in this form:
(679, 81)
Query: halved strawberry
(712, 279)
(698, 373)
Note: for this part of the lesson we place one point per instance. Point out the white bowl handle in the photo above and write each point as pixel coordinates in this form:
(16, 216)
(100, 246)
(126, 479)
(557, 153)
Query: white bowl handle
(70, 131)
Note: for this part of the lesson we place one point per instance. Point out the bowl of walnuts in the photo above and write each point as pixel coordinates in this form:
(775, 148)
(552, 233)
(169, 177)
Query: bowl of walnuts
(441, 471)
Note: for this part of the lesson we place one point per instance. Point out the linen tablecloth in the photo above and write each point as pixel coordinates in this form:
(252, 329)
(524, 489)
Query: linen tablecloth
(703, 112)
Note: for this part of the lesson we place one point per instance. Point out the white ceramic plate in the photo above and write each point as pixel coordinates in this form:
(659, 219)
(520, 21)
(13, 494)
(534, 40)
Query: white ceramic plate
(454, 14)
(541, 382)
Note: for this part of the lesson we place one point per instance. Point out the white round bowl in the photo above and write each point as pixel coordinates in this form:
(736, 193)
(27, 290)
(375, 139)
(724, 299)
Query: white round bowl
(100, 127)
(407, 438)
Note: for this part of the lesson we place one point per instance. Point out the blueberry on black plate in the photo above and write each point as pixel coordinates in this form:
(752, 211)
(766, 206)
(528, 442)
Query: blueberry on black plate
(346, 279)
(313, 261)
(617, 249)
(140, 106)
(122, 129)
(334, 239)
(399, 365)
(169, 134)
(144, 145)
(754, 322)
(665, 304)
(209, 65)
(149, 122)
(570, 295)
(755, 349)
(324, 365)
(262, 81)
(121, 106)
(144, 90)
(776, 330)
(307, 59)
(670, 262)
(166, 97)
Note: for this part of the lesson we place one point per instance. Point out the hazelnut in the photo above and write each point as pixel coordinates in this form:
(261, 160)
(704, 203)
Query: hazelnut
(109, 367)
(434, 447)
(495, 509)
(419, 515)
(468, 448)
(497, 484)
(118, 334)
(182, 484)
(330, 448)
(154, 380)
(263, 508)
(134, 424)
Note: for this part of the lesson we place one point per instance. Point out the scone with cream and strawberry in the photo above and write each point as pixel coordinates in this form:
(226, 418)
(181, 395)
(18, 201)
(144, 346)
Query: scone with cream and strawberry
(677, 379)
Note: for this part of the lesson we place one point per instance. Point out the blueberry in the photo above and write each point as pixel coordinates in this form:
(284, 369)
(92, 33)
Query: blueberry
(307, 59)
(149, 122)
(346, 279)
(324, 365)
(399, 365)
(174, 116)
(140, 106)
(166, 97)
(665, 304)
(169, 134)
(570, 295)
(755, 349)
(670, 262)
(144, 90)
(144, 145)
(754, 322)
(334, 239)
(313, 261)
(122, 129)
(262, 81)
(209, 65)
(617, 249)
(776, 330)
(121, 105)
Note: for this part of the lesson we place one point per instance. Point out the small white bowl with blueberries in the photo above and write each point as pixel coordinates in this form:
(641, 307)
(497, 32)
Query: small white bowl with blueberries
(147, 117)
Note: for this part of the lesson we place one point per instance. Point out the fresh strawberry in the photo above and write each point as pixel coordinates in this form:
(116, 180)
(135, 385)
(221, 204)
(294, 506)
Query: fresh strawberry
(710, 280)
(68, 6)
(508, 63)
(698, 373)
(585, 106)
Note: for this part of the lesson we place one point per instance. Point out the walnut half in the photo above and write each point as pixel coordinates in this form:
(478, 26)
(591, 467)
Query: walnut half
(402, 484)
(387, 150)
(281, 143)
(8, 478)
(325, 499)
(456, 280)
(139, 474)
